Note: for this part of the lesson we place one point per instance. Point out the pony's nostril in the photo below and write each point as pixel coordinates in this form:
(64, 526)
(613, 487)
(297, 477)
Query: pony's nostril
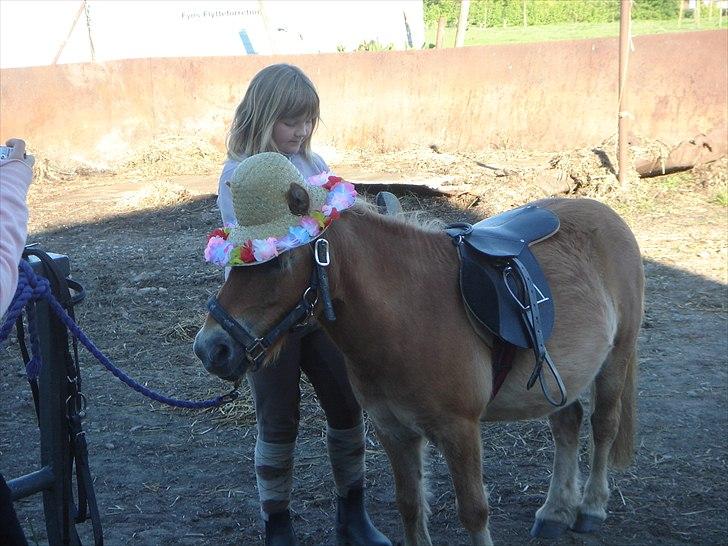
(219, 354)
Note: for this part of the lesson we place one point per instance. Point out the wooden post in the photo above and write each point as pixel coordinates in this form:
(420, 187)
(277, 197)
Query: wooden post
(462, 23)
(624, 42)
(81, 9)
(88, 28)
(696, 13)
(525, 13)
(680, 12)
(440, 31)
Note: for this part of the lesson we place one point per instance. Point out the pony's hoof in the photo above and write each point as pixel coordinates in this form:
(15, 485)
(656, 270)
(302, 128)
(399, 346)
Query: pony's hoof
(587, 524)
(545, 528)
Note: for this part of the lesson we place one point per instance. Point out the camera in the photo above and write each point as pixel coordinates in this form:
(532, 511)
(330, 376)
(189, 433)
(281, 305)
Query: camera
(5, 151)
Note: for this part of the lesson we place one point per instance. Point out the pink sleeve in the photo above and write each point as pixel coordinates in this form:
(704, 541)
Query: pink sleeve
(15, 178)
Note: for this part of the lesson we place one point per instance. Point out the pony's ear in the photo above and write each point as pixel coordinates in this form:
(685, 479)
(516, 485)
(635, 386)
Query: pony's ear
(298, 200)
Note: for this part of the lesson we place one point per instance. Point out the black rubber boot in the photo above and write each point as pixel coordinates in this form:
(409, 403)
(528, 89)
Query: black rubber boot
(279, 530)
(353, 526)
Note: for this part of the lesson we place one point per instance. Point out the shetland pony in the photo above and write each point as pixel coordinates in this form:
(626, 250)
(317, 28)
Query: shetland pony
(422, 373)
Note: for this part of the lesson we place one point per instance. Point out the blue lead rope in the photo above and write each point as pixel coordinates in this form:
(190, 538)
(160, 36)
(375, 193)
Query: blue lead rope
(32, 288)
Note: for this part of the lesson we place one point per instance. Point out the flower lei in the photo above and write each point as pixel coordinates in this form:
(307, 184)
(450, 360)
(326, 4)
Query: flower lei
(341, 195)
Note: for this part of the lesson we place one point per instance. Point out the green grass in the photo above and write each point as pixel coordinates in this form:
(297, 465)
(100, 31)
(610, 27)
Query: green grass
(673, 181)
(722, 198)
(572, 31)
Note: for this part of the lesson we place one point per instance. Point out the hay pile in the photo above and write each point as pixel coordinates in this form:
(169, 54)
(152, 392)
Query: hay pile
(166, 156)
(46, 170)
(592, 171)
(157, 195)
(713, 176)
(172, 156)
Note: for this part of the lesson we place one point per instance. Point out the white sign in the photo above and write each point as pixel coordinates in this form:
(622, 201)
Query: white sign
(45, 32)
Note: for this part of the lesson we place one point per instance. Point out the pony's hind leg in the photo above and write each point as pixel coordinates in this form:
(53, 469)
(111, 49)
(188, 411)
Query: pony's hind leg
(460, 443)
(404, 449)
(560, 509)
(612, 423)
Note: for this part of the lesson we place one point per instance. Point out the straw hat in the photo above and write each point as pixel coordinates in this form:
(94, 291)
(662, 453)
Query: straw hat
(276, 209)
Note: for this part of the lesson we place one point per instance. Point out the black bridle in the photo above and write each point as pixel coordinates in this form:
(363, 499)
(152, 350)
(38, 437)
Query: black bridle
(256, 348)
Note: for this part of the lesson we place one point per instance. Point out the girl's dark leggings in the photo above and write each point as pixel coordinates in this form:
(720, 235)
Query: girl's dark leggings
(277, 393)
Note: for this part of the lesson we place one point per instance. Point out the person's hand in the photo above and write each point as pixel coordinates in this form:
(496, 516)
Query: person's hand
(18, 151)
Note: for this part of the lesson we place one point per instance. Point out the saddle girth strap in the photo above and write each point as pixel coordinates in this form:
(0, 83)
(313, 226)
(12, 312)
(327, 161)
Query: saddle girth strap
(502, 356)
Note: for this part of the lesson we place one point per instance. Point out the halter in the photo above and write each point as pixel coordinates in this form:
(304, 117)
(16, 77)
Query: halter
(256, 348)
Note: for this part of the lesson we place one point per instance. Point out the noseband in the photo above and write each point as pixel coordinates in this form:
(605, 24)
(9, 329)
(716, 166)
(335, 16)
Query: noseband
(256, 348)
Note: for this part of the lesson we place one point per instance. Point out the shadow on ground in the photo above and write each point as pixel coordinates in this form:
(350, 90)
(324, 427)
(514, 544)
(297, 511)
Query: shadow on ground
(167, 476)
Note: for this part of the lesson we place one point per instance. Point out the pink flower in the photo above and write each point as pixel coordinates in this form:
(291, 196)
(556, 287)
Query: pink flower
(310, 225)
(264, 249)
(218, 251)
(318, 179)
(342, 196)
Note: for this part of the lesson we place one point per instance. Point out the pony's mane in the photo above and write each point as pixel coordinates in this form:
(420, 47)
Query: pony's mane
(415, 219)
(415, 227)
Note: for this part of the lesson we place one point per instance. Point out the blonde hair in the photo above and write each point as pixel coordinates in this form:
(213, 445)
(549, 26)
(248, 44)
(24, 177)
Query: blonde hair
(279, 91)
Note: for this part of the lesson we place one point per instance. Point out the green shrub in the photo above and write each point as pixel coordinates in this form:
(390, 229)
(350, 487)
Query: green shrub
(655, 9)
(490, 13)
(372, 45)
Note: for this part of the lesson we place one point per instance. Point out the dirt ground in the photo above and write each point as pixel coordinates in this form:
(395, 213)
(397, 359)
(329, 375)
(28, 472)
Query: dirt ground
(166, 476)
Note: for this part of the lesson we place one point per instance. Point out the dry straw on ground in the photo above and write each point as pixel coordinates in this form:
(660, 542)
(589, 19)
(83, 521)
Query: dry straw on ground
(159, 194)
(175, 156)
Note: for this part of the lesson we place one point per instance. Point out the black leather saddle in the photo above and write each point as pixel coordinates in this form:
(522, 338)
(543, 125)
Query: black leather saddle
(503, 286)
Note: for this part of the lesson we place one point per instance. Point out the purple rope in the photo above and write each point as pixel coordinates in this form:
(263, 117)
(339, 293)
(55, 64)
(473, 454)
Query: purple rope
(32, 288)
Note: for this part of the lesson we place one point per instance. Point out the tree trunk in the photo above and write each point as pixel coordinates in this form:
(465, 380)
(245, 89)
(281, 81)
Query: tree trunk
(681, 11)
(525, 13)
(440, 32)
(462, 23)
(696, 13)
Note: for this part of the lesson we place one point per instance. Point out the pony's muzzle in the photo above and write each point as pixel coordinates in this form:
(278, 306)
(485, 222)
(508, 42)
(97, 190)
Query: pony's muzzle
(219, 354)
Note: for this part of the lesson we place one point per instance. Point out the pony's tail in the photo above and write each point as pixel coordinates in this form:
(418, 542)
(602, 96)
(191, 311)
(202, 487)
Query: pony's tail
(622, 451)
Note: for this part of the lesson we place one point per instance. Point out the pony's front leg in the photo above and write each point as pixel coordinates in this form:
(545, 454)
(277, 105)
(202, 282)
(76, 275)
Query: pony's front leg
(560, 509)
(404, 449)
(459, 441)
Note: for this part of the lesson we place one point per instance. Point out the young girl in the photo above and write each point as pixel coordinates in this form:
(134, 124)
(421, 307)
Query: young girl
(279, 114)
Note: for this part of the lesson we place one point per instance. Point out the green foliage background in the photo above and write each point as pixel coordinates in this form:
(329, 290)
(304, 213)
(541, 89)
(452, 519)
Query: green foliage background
(490, 13)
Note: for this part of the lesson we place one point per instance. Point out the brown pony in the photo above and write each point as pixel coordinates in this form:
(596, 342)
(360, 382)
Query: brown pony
(422, 373)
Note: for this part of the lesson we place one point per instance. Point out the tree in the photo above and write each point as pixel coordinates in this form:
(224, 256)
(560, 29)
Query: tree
(462, 23)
